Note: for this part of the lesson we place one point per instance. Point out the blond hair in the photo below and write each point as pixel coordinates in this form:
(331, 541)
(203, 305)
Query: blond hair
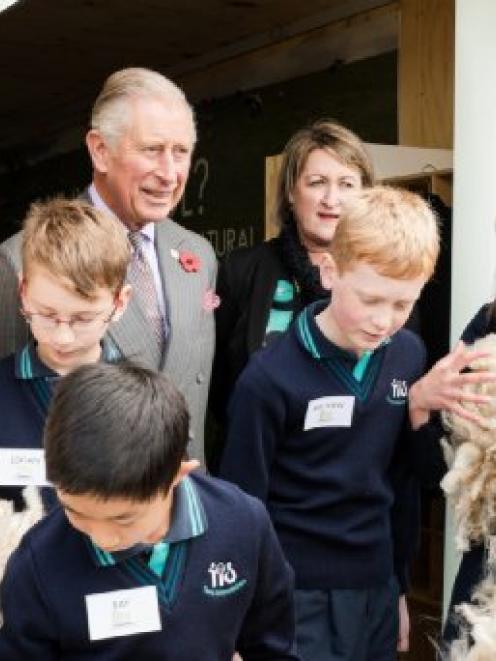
(77, 243)
(326, 134)
(110, 113)
(391, 229)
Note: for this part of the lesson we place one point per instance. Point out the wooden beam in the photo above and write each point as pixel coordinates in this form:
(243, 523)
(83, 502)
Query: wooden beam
(357, 37)
(426, 72)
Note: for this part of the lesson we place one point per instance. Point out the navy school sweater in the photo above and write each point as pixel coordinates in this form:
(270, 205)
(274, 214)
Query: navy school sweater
(26, 388)
(328, 490)
(47, 578)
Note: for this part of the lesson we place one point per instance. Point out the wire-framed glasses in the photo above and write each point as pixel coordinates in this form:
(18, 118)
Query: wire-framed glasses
(79, 324)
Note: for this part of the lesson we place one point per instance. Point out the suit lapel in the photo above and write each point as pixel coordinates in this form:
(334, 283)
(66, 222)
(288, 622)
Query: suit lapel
(131, 334)
(183, 294)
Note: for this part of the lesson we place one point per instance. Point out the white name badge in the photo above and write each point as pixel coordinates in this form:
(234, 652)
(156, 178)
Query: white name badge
(21, 467)
(123, 612)
(335, 411)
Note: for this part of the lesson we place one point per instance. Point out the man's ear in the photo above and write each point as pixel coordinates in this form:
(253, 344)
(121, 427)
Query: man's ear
(328, 270)
(121, 301)
(98, 150)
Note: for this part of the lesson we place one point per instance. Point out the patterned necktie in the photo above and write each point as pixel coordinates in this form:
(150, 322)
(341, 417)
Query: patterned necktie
(140, 277)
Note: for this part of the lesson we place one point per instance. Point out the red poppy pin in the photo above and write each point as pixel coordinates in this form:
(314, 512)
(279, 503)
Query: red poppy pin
(190, 262)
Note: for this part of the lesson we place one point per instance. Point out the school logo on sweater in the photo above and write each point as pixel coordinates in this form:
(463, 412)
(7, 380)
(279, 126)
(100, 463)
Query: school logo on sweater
(223, 579)
(398, 392)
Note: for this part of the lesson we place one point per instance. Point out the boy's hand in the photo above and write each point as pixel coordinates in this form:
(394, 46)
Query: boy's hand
(404, 625)
(442, 387)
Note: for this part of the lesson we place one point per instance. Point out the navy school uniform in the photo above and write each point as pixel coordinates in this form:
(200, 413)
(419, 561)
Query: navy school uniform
(330, 489)
(225, 586)
(26, 388)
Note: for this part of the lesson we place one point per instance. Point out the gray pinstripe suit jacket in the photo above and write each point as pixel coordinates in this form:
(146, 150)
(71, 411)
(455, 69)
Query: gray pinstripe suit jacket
(188, 359)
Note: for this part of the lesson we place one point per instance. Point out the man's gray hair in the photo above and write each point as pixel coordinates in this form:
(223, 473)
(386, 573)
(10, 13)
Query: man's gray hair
(110, 113)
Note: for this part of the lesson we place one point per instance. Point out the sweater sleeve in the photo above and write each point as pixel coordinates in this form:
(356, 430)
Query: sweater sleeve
(28, 630)
(405, 511)
(478, 326)
(426, 455)
(405, 515)
(268, 630)
(256, 422)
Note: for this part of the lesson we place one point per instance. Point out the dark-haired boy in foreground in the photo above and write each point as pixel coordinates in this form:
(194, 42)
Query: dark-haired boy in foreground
(145, 559)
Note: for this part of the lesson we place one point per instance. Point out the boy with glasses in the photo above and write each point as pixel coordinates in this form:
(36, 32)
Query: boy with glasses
(72, 286)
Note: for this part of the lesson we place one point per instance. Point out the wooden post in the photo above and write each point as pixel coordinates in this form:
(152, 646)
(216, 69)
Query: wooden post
(272, 167)
(426, 73)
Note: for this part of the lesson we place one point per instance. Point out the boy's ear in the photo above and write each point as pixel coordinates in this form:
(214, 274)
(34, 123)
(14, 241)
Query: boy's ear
(121, 301)
(328, 270)
(185, 469)
(98, 150)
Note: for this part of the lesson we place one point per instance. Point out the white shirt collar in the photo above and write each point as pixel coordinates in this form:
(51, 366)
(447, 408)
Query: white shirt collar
(148, 230)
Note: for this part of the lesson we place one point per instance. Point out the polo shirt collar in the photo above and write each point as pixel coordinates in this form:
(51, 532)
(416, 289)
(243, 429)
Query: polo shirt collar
(28, 364)
(316, 343)
(147, 230)
(188, 520)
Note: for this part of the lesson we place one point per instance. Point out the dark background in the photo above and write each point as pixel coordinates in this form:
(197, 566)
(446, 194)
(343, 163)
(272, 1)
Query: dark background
(224, 198)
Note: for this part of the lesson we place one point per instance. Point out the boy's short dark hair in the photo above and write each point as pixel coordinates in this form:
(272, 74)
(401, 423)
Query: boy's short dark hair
(115, 431)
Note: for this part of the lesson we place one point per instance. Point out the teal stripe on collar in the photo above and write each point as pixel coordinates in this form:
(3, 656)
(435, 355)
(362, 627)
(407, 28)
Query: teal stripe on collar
(305, 334)
(361, 389)
(188, 520)
(168, 584)
(102, 558)
(29, 366)
(43, 392)
(26, 371)
(361, 366)
(198, 519)
(158, 558)
(176, 568)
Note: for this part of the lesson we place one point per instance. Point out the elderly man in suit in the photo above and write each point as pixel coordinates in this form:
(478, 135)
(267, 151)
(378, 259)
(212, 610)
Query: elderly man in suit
(141, 142)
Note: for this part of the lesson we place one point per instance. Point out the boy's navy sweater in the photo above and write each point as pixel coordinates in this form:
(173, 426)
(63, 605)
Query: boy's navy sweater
(23, 405)
(26, 388)
(328, 489)
(47, 578)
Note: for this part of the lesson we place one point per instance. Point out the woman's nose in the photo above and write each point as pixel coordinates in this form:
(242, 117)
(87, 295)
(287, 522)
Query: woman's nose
(331, 196)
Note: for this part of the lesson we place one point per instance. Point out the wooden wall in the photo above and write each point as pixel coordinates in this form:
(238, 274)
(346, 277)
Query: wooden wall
(426, 73)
